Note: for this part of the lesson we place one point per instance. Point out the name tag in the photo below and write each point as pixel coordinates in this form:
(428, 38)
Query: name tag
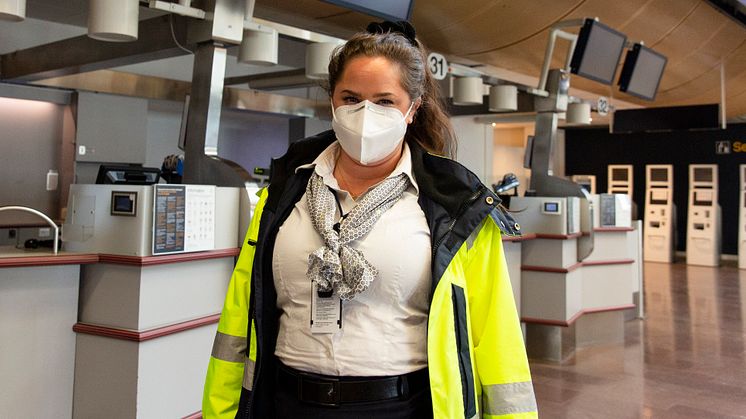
(326, 312)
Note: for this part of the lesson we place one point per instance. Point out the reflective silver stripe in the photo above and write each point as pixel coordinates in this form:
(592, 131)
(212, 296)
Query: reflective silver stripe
(473, 236)
(229, 348)
(248, 373)
(502, 399)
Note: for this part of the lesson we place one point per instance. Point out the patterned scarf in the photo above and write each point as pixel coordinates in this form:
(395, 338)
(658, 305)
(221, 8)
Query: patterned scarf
(336, 265)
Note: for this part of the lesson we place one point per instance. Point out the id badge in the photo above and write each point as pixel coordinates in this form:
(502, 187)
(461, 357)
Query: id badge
(326, 312)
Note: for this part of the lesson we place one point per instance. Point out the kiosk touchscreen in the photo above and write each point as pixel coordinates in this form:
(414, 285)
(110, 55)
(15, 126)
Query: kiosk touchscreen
(660, 214)
(742, 220)
(620, 179)
(703, 226)
(587, 182)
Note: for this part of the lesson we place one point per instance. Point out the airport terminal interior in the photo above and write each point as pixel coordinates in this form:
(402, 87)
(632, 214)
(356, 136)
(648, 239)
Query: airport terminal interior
(136, 136)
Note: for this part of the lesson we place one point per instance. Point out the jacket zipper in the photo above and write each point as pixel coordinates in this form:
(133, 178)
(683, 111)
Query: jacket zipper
(462, 209)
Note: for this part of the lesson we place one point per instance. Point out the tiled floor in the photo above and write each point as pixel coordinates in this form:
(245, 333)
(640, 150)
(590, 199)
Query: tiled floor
(686, 359)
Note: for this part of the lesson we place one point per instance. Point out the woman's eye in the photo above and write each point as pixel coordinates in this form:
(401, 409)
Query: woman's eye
(350, 99)
(385, 102)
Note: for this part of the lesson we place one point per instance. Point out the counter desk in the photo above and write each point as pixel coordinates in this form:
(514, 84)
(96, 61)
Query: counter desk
(38, 307)
(99, 335)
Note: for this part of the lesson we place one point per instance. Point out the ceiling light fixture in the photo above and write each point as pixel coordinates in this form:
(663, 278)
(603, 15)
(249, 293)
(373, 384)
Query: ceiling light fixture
(259, 45)
(318, 55)
(113, 20)
(503, 98)
(468, 91)
(578, 113)
(13, 10)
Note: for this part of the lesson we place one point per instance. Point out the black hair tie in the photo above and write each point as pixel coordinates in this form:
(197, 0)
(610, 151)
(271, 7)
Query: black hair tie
(401, 27)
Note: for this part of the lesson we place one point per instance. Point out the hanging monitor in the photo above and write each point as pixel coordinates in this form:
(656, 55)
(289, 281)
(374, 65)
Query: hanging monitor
(385, 9)
(597, 52)
(642, 72)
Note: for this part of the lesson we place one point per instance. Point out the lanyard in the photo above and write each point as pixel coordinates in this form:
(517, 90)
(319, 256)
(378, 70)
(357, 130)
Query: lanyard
(336, 225)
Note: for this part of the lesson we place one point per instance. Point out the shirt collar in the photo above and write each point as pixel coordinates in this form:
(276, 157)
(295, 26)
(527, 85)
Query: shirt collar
(324, 165)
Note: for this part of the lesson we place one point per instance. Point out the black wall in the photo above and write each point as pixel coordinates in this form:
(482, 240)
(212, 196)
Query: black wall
(591, 150)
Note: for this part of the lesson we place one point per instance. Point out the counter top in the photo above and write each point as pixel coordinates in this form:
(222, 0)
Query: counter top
(11, 257)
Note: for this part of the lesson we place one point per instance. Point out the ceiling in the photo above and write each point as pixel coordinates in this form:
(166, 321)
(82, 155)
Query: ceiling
(508, 38)
(512, 34)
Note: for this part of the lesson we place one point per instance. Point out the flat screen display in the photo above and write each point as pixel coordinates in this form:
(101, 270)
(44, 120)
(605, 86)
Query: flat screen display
(659, 175)
(642, 72)
(658, 197)
(702, 174)
(703, 198)
(619, 174)
(597, 52)
(385, 9)
(123, 203)
(551, 207)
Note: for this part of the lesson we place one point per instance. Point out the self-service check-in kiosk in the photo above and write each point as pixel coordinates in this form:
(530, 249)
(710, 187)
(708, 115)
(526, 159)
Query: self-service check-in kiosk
(703, 229)
(742, 220)
(587, 182)
(620, 179)
(660, 214)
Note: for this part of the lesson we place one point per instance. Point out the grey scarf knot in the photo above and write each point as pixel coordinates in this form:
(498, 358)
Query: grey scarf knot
(336, 265)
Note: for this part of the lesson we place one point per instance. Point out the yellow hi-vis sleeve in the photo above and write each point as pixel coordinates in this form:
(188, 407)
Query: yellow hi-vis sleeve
(225, 372)
(502, 374)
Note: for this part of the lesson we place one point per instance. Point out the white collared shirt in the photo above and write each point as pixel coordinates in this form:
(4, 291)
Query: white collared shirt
(384, 329)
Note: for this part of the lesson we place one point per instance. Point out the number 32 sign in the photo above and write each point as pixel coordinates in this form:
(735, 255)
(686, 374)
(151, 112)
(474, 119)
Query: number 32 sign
(437, 65)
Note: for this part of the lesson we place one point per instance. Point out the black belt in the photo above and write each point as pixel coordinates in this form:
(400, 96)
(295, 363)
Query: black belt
(331, 391)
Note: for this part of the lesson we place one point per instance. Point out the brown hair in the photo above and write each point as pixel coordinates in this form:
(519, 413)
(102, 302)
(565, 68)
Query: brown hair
(431, 127)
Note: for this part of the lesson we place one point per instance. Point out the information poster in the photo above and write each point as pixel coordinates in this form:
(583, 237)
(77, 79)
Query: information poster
(183, 219)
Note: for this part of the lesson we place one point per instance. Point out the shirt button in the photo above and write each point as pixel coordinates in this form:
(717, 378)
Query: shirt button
(489, 200)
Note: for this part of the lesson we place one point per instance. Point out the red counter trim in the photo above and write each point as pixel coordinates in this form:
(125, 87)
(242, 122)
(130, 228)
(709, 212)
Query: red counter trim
(558, 236)
(603, 229)
(135, 336)
(551, 269)
(573, 319)
(524, 237)
(165, 259)
(576, 266)
(48, 260)
(609, 262)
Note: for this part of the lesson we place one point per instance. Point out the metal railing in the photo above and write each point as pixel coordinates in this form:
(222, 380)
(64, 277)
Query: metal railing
(40, 214)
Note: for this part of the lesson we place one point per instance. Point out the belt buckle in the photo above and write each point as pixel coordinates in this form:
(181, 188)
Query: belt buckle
(327, 389)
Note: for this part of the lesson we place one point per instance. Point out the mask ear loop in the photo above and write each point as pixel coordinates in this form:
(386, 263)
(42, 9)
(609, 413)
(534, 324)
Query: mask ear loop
(410, 110)
(334, 115)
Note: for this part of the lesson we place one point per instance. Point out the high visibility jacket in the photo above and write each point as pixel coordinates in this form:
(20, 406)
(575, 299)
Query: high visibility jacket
(476, 356)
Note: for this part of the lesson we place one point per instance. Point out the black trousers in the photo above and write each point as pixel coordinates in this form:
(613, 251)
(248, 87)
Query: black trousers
(417, 406)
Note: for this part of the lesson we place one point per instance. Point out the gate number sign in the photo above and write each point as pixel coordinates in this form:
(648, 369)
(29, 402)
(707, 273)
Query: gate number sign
(438, 66)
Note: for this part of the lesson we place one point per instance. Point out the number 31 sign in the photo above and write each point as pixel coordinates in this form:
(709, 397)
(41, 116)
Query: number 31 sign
(437, 65)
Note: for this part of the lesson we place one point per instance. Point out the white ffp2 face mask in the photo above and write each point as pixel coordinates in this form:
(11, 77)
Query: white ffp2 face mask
(368, 132)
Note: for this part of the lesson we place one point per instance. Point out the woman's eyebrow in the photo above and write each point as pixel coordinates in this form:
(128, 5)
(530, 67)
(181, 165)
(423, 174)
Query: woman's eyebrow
(382, 94)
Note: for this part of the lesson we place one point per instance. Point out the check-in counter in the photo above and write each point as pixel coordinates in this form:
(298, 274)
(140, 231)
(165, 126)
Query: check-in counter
(38, 308)
(103, 335)
(145, 328)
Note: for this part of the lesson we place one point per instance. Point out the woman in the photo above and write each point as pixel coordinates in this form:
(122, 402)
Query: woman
(372, 281)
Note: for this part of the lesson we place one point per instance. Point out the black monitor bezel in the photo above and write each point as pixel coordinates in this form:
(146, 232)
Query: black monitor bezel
(628, 70)
(102, 179)
(581, 44)
(358, 8)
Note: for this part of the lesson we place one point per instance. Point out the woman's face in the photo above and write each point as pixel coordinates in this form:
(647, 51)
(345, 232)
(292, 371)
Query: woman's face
(376, 79)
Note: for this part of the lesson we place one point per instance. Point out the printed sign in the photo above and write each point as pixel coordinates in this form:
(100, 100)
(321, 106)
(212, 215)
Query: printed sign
(183, 218)
(438, 65)
(602, 106)
(722, 147)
